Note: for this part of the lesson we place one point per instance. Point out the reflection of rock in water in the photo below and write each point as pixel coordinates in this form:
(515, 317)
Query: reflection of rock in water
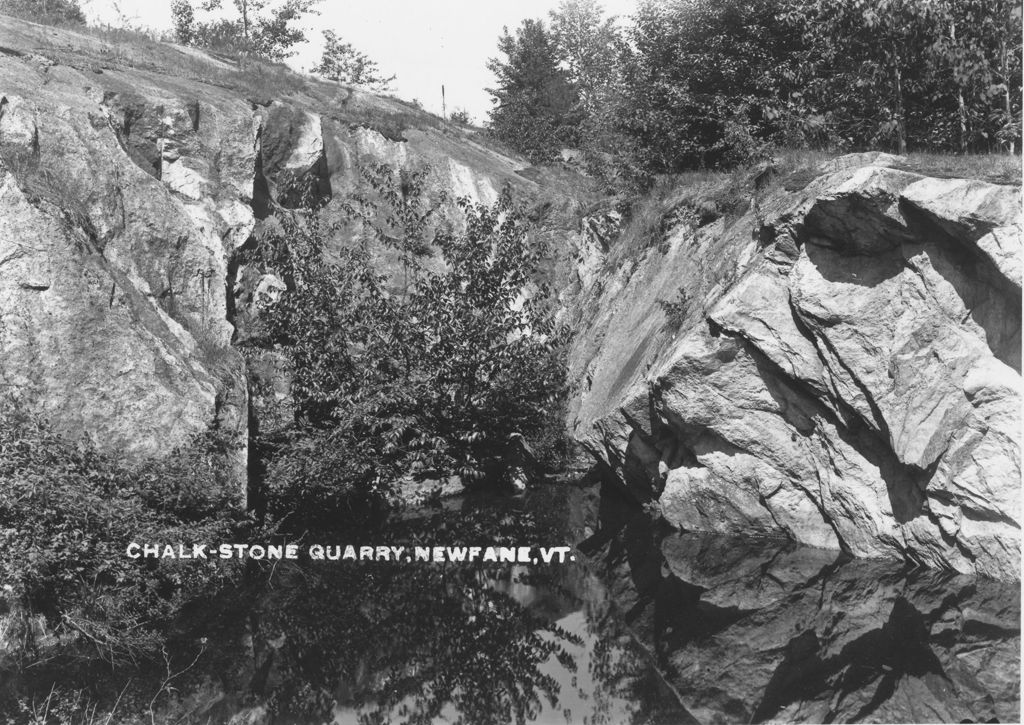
(657, 628)
(758, 630)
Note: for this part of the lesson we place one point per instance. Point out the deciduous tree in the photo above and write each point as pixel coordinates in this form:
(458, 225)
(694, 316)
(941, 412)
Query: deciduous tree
(257, 28)
(535, 103)
(341, 62)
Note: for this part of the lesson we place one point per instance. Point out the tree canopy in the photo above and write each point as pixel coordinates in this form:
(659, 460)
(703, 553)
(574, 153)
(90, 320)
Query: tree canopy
(50, 12)
(341, 62)
(535, 102)
(252, 27)
(707, 83)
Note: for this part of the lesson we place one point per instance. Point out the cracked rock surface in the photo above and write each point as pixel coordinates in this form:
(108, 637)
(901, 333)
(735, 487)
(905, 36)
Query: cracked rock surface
(131, 175)
(846, 372)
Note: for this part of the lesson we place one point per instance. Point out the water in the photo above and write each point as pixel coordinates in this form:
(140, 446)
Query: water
(648, 626)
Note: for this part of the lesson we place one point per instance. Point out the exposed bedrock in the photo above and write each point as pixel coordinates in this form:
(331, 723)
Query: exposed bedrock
(126, 194)
(846, 372)
(113, 257)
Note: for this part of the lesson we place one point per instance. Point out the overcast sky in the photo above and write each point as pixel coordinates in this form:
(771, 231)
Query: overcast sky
(424, 42)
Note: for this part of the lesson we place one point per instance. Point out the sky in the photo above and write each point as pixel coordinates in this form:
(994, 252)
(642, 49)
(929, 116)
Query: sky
(425, 43)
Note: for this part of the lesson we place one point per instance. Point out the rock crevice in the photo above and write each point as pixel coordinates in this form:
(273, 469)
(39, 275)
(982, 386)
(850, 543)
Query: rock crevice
(857, 364)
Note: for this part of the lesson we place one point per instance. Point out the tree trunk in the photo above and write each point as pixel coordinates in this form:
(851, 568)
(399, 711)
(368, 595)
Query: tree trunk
(901, 128)
(245, 23)
(961, 106)
(1005, 61)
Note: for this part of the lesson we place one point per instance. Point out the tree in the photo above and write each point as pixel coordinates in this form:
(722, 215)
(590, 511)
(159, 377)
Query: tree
(343, 63)
(976, 46)
(942, 75)
(868, 61)
(587, 46)
(50, 12)
(706, 83)
(258, 29)
(535, 103)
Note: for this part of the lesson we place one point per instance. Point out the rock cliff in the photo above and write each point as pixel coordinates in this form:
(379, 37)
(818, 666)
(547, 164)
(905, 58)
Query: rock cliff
(131, 173)
(840, 365)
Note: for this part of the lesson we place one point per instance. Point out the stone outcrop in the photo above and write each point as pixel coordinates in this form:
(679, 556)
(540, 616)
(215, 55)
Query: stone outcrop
(840, 366)
(130, 178)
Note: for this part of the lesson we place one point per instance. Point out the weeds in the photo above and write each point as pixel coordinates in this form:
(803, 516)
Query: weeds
(45, 181)
(216, 353)
(676, 310)
(67, 513)
(994, 168)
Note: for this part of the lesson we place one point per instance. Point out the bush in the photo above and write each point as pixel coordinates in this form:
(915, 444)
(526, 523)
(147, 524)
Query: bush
(341, 62)
(67, 514)
(430, 367)
(461, 116)
(48, 12)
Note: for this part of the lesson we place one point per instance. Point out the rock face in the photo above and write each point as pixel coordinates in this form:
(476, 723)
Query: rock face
(114, 248)
(840, 366)
(130, 178)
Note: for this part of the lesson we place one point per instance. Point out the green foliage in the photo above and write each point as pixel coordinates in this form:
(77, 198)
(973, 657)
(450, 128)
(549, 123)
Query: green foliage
(255, 29)
(460, 116)
(589, 47)
(183, 20)
(68, 512)
(343, 63)
(535, 104)
(48, 12)
(426, 363)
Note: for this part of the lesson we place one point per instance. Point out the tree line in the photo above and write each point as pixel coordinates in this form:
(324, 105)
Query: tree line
(688, 84)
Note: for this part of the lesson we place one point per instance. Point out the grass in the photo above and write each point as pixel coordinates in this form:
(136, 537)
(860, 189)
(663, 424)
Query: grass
(794, 166)
(701, 197)
(390, 120)
(644, 219)
(48, 181)
(994, 168)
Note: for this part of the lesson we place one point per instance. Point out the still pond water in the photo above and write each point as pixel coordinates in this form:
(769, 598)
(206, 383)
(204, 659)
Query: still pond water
(646, 626)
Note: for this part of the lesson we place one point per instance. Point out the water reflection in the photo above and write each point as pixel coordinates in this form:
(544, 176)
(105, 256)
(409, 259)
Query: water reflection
(457, 644)
(414, 643)
(653, 627)
(753, 631)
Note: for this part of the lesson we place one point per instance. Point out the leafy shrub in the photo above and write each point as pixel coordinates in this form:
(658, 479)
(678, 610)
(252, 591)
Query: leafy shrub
(676, 310)
(253, 30)
(461, 116)
(48, 12)
(67, 514)
(429, 366)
